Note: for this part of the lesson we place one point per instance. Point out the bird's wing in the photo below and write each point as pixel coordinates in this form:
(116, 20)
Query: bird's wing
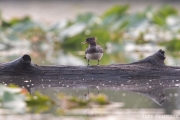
(86, 51)
(100, 49)
(91, 50)
(94, 49)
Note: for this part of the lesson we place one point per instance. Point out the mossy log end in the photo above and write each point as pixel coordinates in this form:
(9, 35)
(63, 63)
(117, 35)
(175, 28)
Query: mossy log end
(144, 76)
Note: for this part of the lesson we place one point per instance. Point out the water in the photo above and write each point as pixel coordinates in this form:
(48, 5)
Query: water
(123, 106)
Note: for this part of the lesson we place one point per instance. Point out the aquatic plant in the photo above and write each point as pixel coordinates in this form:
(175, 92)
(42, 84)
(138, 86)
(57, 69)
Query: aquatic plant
(117, 30)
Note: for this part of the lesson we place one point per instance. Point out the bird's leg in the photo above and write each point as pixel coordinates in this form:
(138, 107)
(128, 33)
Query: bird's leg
(87, 94)
(88, 62)
(98, 62)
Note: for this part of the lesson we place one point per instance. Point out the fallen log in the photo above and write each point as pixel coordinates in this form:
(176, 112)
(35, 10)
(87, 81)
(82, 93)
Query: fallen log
(149, 76)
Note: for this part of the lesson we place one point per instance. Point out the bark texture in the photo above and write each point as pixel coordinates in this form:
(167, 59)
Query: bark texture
(149, 76)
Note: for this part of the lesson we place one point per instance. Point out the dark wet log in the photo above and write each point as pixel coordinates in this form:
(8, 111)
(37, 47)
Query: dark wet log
(144, 76)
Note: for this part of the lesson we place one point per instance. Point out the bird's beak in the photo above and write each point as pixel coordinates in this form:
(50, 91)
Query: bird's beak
(84, 42)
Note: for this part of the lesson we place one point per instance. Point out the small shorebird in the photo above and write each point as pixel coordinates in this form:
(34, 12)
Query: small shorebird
(94, 51)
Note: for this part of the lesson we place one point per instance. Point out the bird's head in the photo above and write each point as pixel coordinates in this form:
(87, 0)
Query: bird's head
(90, 40)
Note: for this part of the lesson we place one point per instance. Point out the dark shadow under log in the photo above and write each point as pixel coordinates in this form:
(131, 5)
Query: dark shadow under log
(149, 76)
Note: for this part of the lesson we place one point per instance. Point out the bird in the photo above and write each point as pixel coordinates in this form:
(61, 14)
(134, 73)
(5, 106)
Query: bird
(94, 51)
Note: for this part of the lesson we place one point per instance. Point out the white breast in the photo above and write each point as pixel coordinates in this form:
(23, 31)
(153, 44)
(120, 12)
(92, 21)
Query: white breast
(94, 56)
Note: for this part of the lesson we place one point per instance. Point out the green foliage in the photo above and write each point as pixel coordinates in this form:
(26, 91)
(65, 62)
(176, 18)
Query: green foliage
(18, 100)
(69, 102)
(12, 98)
(159, 17)
(14, 21)
(115, 26)
(117, 10)
(38, 102)
(173, 45)
(101, 99)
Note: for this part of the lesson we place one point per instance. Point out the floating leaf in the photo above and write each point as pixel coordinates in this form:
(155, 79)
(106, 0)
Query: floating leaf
(39, 103)
(13, 99)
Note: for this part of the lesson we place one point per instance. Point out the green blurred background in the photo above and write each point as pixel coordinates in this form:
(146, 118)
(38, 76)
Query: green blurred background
(52, 31)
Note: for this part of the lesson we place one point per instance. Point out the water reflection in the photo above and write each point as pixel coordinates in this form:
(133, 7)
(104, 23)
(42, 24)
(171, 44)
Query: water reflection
(139, 101)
